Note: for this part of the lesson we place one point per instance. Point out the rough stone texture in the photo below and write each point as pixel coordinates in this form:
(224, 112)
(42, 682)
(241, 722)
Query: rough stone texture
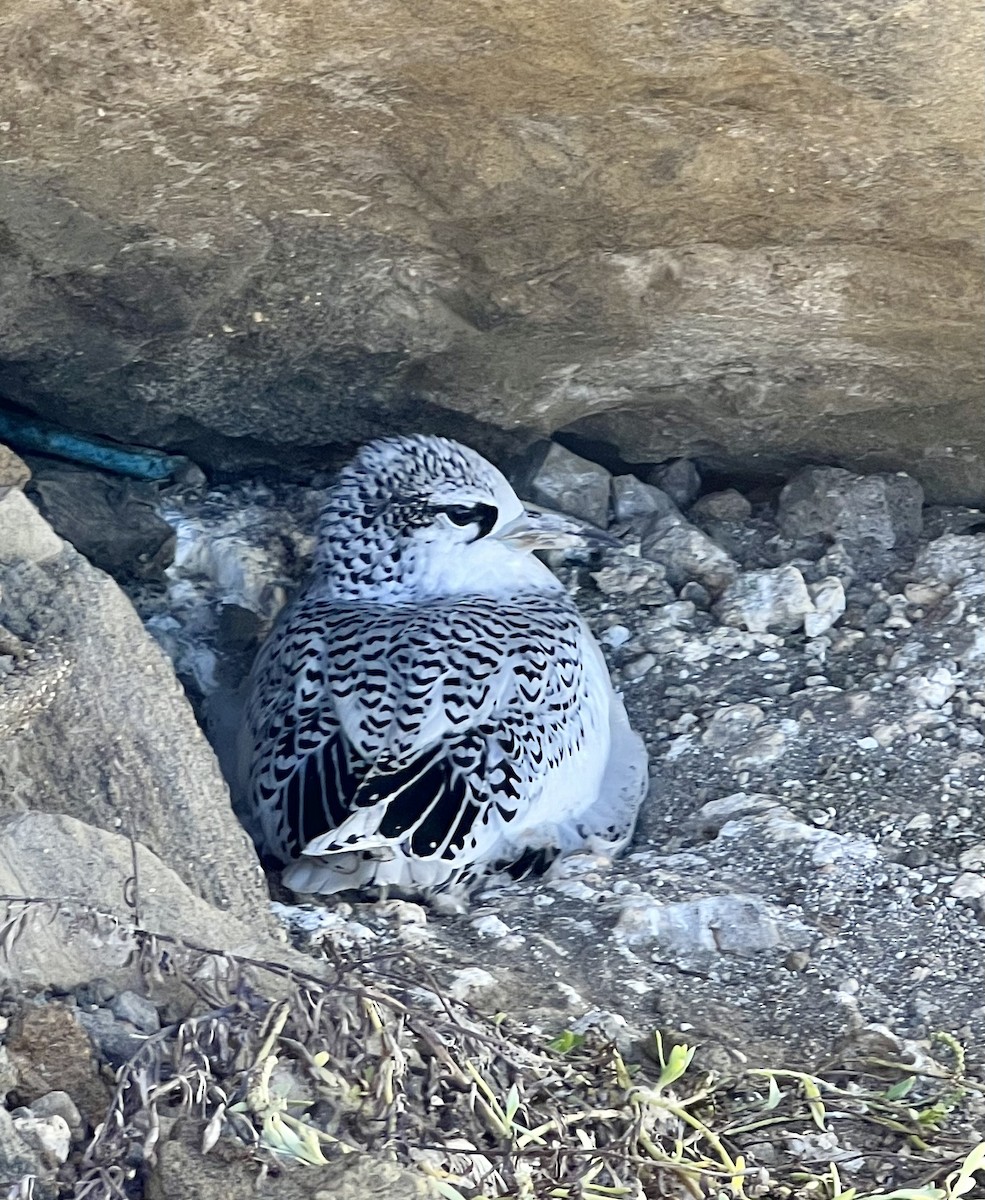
(49, 1049)
(748, 232)
(679, 479)
(19, 1159)
(49, 855)
(878, 511)
(95, 724)
(632, 499)
(729, 505)
(760, 600)
(14, 472)
(571, 484)
(688, 554)
(110, 520)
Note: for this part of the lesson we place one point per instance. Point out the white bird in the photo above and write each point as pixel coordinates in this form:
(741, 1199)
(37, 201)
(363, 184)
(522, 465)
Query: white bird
(432, 706)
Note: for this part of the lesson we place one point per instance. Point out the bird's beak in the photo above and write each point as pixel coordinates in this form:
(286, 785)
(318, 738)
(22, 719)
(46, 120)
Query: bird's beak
(539, 529)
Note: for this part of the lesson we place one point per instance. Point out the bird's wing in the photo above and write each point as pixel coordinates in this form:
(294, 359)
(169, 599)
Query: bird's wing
(409, 725)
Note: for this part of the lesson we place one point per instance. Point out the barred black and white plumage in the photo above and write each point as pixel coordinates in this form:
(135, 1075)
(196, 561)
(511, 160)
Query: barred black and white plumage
(432, 705)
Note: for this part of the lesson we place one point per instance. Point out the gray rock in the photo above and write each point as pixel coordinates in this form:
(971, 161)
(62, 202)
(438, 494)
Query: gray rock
(49, 1137)
(953, 559)
(46, 854)
(729, 505)
(932, 688)
(828, 598)
(687, 554)
(19, 1159)
(228, 1172)
(880, 511)
(8, 1075)
(573, 485)
(115, 1041)
(732, 725)
(737, 924)
(679, 479)
(14, 472)
(58, 1104)
(138, 1010)
(633, 499)
(766, 747)
(777, 599)
(108, 519)
(24, 534)
(95, 724)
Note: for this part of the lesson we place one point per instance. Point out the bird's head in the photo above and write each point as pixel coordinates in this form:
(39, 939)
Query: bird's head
(433, 516)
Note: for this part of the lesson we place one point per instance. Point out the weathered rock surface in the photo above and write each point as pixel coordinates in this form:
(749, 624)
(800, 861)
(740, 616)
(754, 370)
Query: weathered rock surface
(247, 229)
(112, 521)
(95, 725)
(87, 870)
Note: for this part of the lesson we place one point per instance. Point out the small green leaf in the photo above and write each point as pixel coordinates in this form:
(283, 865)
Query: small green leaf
(677, 1063)
(775, 1095)
(565, 1042)
(901, 1089)
(512, 1103)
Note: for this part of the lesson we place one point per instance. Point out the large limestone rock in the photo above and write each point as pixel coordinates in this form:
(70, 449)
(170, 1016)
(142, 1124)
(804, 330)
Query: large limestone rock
(94, 726)
(89, 871)
(747, 232)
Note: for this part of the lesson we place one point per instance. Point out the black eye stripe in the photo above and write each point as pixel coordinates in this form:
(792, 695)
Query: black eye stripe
(483, 515)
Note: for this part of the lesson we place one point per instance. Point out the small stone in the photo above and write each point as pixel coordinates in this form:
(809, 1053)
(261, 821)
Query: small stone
(925, 594)
(469, 980)
(933, 689)
(58, 1104)
(696, 594)
(797, 960)
(639, 666)
(828, 596)
(732, 725)
(49, 1137)
(490, 926)
(973, 858)
(741, 924)
(729, 505)
(615, 636)
(968, 886)
(679, 479)
(138, 1010)
(916, 856)
(571, 484)
(632, 499)
(764, 749)
(764, 600)
(115, 1040)
(688, 554)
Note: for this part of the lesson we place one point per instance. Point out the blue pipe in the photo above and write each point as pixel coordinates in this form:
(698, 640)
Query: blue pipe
(27, 433)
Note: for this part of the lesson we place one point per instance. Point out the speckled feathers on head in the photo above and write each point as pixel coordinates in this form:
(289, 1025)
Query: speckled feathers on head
(391, 481)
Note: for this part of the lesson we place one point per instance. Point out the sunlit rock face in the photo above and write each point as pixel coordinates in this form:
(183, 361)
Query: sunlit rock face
(747, 232)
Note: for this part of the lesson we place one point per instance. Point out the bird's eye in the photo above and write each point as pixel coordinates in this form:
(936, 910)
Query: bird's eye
(483, 515)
